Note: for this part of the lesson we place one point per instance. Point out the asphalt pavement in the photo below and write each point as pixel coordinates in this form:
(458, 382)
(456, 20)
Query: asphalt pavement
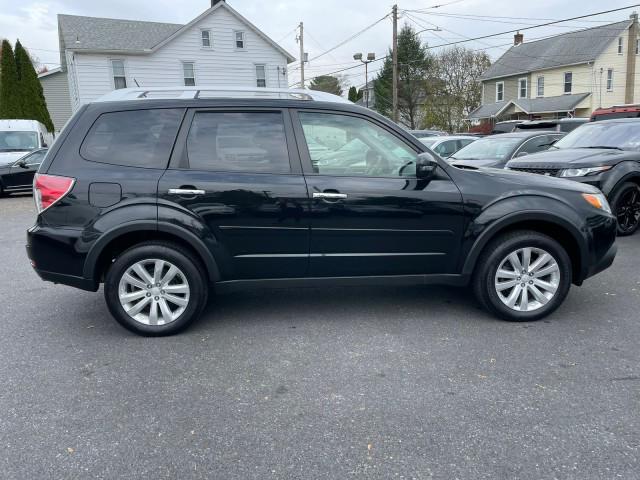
(334, 383)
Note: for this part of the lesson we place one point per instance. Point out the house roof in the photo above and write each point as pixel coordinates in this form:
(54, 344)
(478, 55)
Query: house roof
(133, 36)
(570, 48)
(560, 103)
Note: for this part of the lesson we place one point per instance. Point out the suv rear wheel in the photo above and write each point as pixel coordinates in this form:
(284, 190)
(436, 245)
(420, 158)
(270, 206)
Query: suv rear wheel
(155, 289)
(625, 203)
(523, 276)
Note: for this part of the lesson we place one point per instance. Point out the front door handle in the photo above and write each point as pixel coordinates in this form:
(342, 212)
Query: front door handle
(329, 196)
(185, 191)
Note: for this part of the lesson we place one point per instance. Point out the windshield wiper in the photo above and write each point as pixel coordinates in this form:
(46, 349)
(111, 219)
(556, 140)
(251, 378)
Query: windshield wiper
(605, 147)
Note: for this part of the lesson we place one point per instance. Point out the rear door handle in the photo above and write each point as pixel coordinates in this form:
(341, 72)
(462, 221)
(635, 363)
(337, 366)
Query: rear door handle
(185, 191)
(330, 196)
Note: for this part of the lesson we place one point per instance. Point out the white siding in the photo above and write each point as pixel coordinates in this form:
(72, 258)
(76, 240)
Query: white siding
(222, 64)
(56, 94)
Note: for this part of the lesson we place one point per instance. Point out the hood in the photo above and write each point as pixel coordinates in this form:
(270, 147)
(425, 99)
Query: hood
(573, 158)
(476, 163)
(7, 158)
(525, 181)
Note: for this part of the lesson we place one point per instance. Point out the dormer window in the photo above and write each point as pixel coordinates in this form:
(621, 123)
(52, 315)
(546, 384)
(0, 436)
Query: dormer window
(239, 37)
(206, 38)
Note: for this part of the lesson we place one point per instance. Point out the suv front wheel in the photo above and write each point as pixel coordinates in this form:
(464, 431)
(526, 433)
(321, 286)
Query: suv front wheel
(155, 289)
(625, 203)
(523, 276)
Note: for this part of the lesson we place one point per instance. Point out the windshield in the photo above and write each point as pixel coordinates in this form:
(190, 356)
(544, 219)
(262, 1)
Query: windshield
(490, 148)
(625, 136)
(18, 141)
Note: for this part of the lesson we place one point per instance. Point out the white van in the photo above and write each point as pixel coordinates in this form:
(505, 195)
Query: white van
(19, 137)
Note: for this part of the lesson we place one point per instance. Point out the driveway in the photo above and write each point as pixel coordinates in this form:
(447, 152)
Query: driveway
(397, 382)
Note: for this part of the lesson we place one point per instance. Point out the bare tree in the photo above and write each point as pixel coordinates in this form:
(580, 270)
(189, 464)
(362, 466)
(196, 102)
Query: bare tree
(458, 90)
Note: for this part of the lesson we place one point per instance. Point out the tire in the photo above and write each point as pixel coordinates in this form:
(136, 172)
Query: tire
(490, 289)
(175, 308)
(625, 204)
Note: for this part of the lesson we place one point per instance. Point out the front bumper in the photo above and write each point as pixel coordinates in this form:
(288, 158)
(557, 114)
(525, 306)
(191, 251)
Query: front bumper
(605, 261)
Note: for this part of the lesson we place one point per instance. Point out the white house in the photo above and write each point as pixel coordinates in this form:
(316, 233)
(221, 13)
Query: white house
(219, 47)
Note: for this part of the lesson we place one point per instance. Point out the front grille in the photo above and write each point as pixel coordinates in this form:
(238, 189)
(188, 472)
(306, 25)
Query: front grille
(549, 172)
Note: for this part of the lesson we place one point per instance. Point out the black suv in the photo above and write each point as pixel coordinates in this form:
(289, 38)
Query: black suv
(163, 197)
(604, 154)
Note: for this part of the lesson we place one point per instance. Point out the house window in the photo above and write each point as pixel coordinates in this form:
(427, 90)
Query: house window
(568, 82)
(188, 70)
(261, 76)
(499, 91)
(620, 45)
(119, 76)
(522, 88)
(239, 40)
(540, 87)
(206, 38)
(637, 46)
(610, 80)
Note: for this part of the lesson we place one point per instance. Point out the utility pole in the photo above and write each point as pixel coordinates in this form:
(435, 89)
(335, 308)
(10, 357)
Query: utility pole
(395, 63)
(301, 40)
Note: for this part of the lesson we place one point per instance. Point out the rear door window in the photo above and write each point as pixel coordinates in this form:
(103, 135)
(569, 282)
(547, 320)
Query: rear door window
(238, 142)
(135, 138)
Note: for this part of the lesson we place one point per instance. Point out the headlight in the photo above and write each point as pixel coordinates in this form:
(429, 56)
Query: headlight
(582, 172)
(597, 200)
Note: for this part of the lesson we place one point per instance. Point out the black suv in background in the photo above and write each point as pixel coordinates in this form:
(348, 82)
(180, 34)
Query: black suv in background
(605, 154)
(161, 197)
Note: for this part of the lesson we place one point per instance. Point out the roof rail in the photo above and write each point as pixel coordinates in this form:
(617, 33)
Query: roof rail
(142, 93)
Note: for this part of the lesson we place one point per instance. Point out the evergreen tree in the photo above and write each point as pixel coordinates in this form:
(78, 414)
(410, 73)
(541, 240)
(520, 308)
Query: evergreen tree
(353, 94)
(31, 95)
(10, 105)
(414, 65)
(326, 83)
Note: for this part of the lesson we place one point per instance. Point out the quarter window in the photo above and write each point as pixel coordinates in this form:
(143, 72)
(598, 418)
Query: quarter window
(136, 138)
(499, 91)
(352, 146)
(239, 40)
(610, 80)
(540, 87)
(119, 76)
(206, 38)
(238, 142)
(568, 82)
(188, 69)
(261, 76)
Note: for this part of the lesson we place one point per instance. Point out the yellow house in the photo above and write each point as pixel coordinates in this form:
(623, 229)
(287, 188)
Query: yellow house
(563, 76)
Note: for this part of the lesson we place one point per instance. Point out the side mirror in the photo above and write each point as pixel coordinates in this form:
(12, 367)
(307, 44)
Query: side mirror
(44, 145)
(522, 154)
(21, 164)
(426, 166)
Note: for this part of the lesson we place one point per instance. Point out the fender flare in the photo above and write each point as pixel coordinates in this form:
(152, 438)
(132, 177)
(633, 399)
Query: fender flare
(516, 217)
(620, 174)
(90, 264)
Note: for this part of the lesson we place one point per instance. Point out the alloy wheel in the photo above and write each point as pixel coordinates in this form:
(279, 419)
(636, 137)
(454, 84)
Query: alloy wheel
(154, 292)
(628, 211)
(527, 279)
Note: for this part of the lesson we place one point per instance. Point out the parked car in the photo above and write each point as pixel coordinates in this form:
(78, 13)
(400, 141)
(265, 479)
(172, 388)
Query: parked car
(564, 125)
(506, 126)
(19, 137)
(18, 177)
(426, 133)
(496, 150)
(447, 145)
(615, 112)
(142, 195)
(605, 154)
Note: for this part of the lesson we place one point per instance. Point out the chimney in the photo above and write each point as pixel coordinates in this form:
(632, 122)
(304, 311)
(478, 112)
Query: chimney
(215, 2)
(518, 38)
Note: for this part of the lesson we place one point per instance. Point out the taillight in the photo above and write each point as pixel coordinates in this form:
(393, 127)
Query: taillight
(49, 189)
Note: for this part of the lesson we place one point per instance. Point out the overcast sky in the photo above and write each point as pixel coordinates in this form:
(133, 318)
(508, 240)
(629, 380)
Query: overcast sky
(327, 23)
